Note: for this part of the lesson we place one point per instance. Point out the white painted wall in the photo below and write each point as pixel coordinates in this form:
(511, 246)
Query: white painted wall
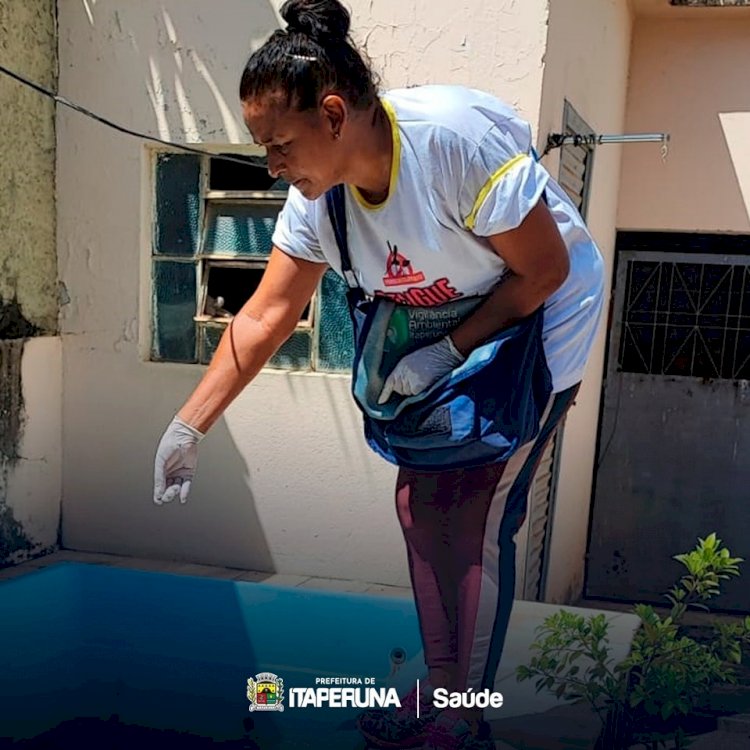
(494, 45)
(30, 486)
(689, 78)
(586, 62)
(285, 481)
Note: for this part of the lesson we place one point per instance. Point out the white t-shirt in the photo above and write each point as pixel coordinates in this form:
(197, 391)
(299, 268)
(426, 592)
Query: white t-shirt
(462, 171)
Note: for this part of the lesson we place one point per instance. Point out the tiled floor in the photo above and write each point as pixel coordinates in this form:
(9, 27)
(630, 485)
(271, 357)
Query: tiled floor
(520, 698)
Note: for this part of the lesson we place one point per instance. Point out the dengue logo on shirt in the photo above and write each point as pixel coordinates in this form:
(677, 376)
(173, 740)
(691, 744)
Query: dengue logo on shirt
(399, 270)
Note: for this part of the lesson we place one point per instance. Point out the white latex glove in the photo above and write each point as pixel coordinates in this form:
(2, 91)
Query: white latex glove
(419, 370)
(176, 459)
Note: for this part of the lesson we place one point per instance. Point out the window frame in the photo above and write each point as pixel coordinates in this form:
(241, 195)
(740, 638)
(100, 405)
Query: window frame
(227, 260)
(323, 355)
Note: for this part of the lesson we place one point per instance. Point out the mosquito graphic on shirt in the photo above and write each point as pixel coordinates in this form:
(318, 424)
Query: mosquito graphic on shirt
(397, 264)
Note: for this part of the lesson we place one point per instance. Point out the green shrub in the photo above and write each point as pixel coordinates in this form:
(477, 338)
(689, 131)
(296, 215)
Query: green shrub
(667, 673)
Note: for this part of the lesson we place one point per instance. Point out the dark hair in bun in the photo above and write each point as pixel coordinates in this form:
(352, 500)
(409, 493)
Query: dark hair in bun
(313, 56)
(317, 19)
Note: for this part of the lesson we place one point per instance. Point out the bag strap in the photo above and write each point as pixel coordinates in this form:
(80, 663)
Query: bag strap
(336, 203)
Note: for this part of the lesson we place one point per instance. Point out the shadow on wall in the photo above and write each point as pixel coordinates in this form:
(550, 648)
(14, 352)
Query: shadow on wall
(191, 86)
(109, 459)
(229, 527)
(162, 60)
(226, 521)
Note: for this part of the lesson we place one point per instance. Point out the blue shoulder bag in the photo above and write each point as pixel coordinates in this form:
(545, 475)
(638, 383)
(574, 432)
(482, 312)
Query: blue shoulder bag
(479, 413)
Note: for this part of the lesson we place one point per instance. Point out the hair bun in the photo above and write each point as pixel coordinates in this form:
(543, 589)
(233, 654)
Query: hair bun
(317, 18)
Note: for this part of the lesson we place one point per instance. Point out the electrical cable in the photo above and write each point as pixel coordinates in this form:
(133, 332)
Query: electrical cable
(256, 161)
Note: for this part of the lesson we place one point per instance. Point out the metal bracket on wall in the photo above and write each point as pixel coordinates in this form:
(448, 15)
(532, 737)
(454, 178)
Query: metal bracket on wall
(557, 140)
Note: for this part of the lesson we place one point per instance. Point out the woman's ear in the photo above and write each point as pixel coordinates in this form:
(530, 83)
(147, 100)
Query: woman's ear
(335, 114)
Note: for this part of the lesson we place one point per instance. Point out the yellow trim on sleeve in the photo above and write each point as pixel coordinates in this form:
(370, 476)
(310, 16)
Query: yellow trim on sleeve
(471, 219)
(395, 162)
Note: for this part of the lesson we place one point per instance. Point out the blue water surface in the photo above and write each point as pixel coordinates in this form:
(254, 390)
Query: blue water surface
(174, 652)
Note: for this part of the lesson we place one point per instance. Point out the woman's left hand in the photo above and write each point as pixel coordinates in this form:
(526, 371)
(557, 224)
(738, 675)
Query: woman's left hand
(420, 369)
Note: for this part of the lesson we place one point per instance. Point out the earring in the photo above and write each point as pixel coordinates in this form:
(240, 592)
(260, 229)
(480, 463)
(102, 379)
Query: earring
(336, 135)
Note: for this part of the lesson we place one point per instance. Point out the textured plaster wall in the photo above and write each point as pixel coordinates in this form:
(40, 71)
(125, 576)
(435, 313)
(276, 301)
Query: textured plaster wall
(689, 78)
(284, 480)
(28, 267)
(587, 63)
(495, 45)
(30, 378)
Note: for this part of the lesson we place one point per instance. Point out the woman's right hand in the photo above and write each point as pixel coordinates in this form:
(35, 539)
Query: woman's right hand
(251, 337)
(176, 460)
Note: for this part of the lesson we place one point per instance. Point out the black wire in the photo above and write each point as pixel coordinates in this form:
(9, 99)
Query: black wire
(256, 161)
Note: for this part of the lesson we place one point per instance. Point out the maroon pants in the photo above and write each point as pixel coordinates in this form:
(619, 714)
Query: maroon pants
(459, 527)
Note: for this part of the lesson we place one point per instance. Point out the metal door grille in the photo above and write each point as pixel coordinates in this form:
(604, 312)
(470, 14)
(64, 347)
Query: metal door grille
(686, 319)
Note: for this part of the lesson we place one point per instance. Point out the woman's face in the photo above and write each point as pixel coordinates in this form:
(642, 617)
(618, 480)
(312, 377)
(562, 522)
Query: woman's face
(302, 147)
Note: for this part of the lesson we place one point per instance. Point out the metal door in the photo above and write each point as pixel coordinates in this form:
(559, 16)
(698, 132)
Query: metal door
(674, 442)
